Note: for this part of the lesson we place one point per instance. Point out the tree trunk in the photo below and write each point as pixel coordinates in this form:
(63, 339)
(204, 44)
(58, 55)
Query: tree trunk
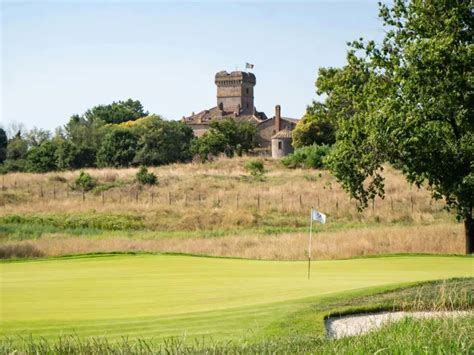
(469, 230)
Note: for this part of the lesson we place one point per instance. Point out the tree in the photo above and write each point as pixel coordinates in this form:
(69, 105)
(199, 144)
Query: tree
(210, 143)
(86, 137)
(414, 109)
(162, 142)
(314, 128)
(65, 154)
(3, 145)
(240, 134)
(117, 149)
(36, 136)
(116, 112)
(17, 148)
(41, 158)
(226, 136)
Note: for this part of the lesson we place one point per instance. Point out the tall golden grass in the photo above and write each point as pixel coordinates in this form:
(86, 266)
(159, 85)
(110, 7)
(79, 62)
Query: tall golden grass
(219, 194)
(222, 196)
(441, 238)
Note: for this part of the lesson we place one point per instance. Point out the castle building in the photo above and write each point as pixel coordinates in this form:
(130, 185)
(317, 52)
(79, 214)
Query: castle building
(235, 99)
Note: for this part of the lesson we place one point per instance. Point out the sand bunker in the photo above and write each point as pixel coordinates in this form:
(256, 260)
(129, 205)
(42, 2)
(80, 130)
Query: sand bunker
(357, 324)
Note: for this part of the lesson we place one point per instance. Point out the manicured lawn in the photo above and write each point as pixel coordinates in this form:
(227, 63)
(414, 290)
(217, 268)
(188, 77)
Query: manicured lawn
(163, 295)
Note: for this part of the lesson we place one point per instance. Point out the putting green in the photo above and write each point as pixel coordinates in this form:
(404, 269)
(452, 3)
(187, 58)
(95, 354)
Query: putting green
(163, 295)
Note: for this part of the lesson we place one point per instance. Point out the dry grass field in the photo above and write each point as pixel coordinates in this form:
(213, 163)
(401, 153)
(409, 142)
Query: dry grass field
(218, 209)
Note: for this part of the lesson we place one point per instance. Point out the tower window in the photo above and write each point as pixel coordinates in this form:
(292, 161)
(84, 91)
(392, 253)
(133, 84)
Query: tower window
(247, 105)
(247, 90)
(279, 145)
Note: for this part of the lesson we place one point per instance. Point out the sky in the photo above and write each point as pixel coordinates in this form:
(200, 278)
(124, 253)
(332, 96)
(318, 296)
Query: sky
(59, 58)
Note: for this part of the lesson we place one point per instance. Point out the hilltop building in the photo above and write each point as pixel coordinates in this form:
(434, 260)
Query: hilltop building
(235, 99)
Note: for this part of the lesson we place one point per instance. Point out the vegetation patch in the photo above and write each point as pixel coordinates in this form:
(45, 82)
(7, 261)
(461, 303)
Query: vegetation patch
(73, 221)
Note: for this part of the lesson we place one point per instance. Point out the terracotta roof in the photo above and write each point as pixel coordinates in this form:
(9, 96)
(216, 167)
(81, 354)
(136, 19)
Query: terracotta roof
(283, 134)
(294, 120)
(215, 114)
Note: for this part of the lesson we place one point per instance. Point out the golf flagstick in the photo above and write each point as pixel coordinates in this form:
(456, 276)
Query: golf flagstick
(309, 242)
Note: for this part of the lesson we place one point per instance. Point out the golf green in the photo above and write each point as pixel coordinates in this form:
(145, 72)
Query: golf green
(164, 295)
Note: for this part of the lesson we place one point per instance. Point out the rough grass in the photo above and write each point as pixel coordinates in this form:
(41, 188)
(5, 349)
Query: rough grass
(337, 244)
(408, 336)
(160, 296)
(197, 202)
(447, 336)
(219, 195)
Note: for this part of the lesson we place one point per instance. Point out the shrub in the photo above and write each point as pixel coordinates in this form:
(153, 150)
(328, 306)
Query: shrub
(146, 178)
(85, 181)
(255, 167)
(312, 156)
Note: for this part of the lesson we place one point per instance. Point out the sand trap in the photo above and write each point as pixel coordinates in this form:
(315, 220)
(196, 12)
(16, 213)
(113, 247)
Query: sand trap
(357, 324)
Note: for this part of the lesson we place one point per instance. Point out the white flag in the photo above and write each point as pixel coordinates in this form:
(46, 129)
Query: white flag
(248, 66)
(318, 216)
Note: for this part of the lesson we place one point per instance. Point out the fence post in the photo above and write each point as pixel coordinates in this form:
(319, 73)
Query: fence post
(337, 203)
(67, 190)
(301, 202)
(373, 205)
(237, 200)
(83, 195)
(136, 196)
(103, 197)
(391, 203)
(152, 198)
(169, 197)
(41, 190)
(412, 203)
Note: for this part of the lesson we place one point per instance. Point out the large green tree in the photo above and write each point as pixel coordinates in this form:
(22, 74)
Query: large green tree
(162, 142)
(41, 158)
(415, 109)
(116, 112)
(86, 137)
(117, 149)
(226, 136)
(315, 127)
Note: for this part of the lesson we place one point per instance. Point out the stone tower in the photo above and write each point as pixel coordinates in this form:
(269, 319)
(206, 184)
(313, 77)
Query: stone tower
(235, 92)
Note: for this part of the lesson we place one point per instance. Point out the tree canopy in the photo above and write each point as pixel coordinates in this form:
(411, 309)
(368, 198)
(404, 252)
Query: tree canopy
(162, 142)
(225, 136)
(117, 149)
(116, 112)
(413, 107)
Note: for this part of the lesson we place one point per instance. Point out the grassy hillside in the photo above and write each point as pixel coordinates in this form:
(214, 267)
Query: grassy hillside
(217, 209)
(159, 296)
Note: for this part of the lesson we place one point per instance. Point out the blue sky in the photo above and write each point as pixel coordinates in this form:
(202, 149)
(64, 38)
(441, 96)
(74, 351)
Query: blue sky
(60, 58)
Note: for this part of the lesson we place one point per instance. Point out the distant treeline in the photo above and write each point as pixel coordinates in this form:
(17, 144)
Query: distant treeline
(120, 134)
